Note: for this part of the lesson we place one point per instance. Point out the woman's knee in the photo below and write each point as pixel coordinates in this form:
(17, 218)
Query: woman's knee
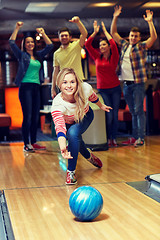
(72, 133)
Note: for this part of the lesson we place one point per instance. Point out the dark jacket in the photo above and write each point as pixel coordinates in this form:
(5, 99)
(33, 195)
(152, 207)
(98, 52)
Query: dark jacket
(24, 60)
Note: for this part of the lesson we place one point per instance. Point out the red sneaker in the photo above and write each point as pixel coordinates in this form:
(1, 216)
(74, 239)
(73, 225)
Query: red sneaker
(109, 143)
(114, 143)
(71, 178)
(130, 141)
(38, 147)
(95, 161)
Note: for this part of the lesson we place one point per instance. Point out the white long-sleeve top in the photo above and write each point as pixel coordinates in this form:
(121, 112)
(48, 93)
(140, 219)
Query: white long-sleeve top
(63, 112)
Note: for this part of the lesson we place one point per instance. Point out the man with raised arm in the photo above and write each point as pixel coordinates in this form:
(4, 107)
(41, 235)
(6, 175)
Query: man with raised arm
(68, 55)
(133, 54)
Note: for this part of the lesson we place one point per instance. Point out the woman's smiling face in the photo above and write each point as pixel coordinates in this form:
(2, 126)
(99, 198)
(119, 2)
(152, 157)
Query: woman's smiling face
(69, 85)
(29, 44)
(104, 46)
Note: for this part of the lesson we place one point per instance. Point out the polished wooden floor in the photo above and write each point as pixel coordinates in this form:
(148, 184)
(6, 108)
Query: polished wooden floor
(37, 197)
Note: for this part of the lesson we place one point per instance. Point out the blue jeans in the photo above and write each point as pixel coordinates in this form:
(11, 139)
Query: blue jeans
(111, 97)
(134, 96)
(29, 95)
(75, 141)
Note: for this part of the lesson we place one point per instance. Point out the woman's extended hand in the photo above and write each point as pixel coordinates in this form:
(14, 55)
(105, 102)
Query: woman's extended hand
(106, 108)
(66, 154)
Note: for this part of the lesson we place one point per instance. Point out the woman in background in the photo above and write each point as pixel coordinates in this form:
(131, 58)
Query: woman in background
(108, 84)
(28, 78)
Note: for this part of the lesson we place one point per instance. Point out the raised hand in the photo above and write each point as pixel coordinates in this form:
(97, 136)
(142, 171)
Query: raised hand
(74, 19)
(149, 16)
(40, 30)
(117, 11)
(19, 24)
(96, 27)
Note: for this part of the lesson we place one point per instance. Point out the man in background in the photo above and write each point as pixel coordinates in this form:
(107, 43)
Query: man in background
(68, 55)
(133, 54)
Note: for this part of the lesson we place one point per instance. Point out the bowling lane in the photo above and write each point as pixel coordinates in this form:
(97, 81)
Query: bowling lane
(43, 213)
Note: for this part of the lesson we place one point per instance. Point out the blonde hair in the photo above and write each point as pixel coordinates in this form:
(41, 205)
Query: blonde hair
(78, 95)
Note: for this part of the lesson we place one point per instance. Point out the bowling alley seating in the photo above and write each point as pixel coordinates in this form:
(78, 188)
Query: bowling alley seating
(95, 136)
(5, 123)
(156, 108)
(124, 114)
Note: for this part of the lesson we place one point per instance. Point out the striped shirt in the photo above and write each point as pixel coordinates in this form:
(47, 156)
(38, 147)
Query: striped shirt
(63, 112)
(138, 56)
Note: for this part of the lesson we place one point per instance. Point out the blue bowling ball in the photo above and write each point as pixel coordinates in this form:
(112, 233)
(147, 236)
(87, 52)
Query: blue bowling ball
(86, 203)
